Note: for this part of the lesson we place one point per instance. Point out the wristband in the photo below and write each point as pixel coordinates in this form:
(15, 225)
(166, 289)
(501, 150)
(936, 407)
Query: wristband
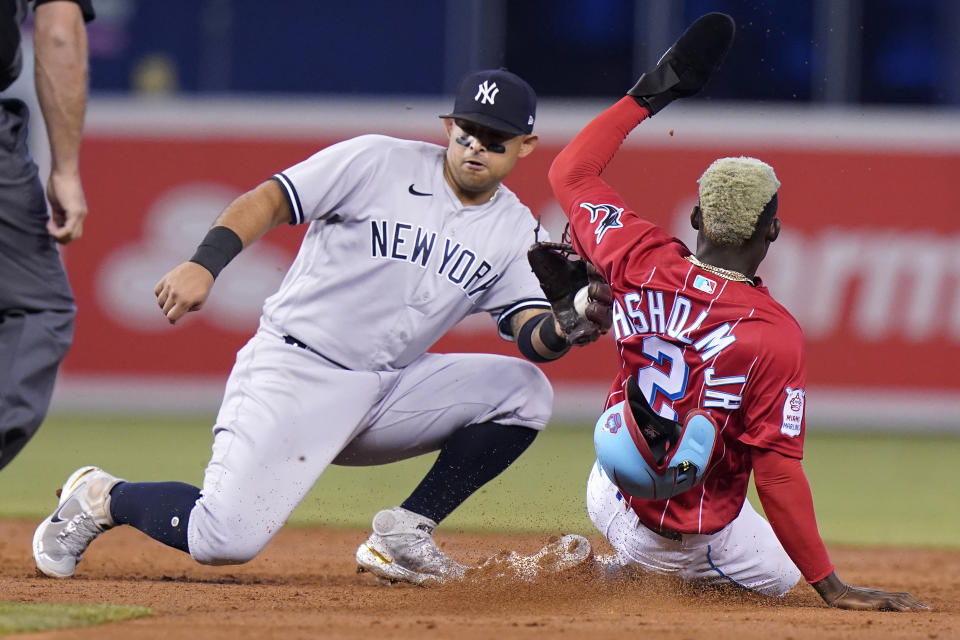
(550, 338)
(219, 247)
(525, 337)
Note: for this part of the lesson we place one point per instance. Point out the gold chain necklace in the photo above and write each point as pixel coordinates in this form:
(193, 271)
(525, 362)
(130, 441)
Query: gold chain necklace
(728, 274)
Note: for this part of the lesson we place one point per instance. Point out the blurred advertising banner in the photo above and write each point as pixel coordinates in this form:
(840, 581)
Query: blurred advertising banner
(868, 260)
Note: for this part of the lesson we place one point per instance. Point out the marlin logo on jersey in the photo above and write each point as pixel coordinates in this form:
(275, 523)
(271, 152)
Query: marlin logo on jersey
(605, 216)
(409, 243)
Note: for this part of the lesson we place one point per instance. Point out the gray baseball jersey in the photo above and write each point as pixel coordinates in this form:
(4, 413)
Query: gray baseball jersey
(392, 259)
(390, 262)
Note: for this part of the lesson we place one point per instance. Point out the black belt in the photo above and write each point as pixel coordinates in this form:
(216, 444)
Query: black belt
(303, 345)
(669, 534)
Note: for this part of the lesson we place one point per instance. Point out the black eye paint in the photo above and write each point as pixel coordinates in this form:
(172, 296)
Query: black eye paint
(465, 141)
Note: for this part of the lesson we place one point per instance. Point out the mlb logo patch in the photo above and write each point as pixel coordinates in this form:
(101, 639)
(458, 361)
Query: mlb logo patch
(792, 412)
(704, 284)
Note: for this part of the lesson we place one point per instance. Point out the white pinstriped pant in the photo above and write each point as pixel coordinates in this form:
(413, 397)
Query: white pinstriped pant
(745, 552)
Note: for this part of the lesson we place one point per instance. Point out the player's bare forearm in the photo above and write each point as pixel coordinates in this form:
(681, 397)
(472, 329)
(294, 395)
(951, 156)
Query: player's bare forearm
(60, 50)
(256, 212)
(251, 215)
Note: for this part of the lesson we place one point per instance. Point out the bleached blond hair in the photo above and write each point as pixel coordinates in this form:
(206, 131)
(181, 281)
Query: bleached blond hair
(733, 194)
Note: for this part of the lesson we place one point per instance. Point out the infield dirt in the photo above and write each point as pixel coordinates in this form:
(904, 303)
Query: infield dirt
(305, 585)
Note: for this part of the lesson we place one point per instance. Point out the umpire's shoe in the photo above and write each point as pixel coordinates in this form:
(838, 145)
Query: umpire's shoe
(83, 514)
(401, 549)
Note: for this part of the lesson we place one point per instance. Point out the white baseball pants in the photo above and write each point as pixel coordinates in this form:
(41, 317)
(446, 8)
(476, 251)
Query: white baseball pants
(287, 414)
(745, 552)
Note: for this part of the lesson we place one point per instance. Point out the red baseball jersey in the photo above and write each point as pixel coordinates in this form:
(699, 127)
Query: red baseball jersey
(693, 339)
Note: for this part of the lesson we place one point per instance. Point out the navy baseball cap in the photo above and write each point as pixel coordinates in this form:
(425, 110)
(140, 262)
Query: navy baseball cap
(497, 99)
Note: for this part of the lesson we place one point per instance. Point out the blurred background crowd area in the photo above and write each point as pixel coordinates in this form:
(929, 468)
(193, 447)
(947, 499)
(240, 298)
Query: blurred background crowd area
(854, 102)
(831, 51)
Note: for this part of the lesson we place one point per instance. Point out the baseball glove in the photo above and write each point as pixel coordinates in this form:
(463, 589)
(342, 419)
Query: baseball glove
(562, 274)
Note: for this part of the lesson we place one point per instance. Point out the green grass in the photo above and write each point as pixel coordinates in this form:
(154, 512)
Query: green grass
(20, 617)
(868, 488)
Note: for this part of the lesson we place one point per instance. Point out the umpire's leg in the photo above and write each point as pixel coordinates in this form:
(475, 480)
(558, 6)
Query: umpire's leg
(32, 345)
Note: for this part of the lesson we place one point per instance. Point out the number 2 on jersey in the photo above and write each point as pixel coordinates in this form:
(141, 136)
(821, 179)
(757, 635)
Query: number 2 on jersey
(671, 383)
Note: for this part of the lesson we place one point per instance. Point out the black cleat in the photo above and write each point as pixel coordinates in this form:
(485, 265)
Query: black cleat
(687, 65)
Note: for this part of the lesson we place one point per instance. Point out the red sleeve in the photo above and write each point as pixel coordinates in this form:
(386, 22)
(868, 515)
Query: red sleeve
(603, 228)
(774, 403)
(577, 167)
(785, 495)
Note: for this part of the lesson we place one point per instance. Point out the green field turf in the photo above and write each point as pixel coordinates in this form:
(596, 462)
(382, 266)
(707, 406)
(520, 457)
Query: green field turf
(20, 617)
(868, 488)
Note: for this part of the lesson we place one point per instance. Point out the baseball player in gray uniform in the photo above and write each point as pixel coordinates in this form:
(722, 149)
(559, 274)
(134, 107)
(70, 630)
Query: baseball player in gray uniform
(405, 239)
(36, 302)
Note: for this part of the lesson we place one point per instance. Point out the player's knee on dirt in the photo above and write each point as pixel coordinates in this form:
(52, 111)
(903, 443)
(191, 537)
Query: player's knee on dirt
(222, 552)
(221, 541)
(787, 581)
(783, 577)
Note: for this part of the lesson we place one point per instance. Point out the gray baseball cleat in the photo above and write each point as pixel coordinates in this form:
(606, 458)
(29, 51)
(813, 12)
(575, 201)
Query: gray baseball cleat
(401, 549)
(558, 556)
(83, 513)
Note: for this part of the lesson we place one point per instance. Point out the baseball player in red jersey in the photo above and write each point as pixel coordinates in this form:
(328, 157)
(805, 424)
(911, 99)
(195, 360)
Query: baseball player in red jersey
(698, 331)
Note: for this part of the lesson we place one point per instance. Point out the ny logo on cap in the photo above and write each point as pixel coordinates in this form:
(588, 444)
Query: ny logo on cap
(486, 92)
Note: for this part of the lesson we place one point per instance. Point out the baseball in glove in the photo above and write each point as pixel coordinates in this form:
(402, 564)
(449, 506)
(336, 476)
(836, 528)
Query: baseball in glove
(562, 274)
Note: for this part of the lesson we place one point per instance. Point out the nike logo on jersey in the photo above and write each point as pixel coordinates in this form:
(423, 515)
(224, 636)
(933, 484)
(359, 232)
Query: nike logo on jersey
(414, 192)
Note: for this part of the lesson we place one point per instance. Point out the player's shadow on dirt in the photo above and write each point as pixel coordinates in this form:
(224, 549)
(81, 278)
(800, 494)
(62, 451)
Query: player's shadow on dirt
(312, 580)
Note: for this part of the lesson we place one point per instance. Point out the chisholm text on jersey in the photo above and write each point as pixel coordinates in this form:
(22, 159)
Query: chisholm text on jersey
(629, 318)
(415, 244)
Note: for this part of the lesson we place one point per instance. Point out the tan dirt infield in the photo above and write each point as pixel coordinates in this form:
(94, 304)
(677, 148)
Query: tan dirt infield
(305, 585)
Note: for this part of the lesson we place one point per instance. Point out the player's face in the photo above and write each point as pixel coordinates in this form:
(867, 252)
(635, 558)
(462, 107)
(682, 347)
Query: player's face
(478, 158)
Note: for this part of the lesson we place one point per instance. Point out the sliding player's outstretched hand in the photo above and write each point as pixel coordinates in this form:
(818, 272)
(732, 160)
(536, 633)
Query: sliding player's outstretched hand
(844, 596)
(688, 64)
